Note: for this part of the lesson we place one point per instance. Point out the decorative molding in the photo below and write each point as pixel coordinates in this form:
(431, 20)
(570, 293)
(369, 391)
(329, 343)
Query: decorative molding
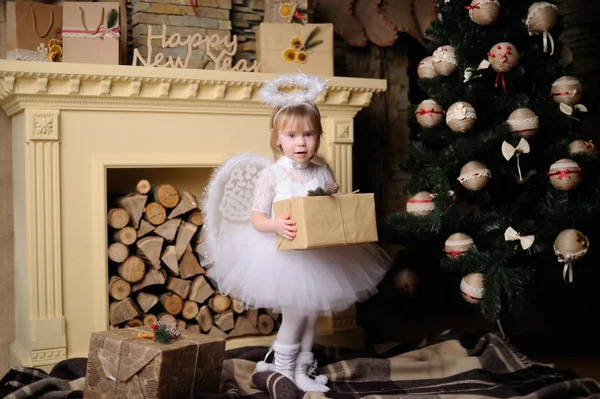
(74, 85)
(41, 84)
(43, 125)
(164, 89)
(105, 86)
(9, 83)
(344, 132)
(45, 355)
(135, 87)
(121, 86)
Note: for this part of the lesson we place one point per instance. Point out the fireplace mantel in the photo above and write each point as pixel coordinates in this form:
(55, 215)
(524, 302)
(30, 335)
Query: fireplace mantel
(71, 122)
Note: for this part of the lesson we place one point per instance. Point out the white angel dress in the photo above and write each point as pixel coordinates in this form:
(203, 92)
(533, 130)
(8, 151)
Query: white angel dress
(246, 263)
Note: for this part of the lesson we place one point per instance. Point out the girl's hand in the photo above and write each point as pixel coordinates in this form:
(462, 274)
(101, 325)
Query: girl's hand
(285, 227)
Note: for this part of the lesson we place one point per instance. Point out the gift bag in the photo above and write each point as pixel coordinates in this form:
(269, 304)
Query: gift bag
(37, 28)
(329, 220)
(285, 47)
(91, 32)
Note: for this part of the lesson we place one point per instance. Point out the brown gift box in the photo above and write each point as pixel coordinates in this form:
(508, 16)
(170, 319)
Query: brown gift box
(272, 8)
(326, 221)
(37, 24)
(273, 40)
(121, 365)
(86, 38)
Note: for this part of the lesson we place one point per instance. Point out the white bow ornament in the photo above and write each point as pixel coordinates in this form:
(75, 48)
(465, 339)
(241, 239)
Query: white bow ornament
(526, 241)
(472, 73)
(508, 151)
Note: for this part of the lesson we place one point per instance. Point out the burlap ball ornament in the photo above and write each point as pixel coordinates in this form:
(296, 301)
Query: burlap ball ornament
(503, 57)
(523, 122)
(564, 174)
(471, 287)
(570, 246)
(457, 244)
(461, 117)
(444, 60)
(566, 89)
(420, 204)
(429, 113)
(474, 176)
(484, 12)
(406, 281)
(541, 19)
(582, 147)
(425, 68)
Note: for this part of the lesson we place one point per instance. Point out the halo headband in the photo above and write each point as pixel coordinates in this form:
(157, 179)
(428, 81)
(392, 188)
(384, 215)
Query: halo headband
(310, 87)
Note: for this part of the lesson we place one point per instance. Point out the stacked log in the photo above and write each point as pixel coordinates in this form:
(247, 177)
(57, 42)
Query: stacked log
(156, 275)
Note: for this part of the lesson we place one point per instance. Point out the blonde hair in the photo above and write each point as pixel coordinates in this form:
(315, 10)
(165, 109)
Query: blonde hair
(296, 114)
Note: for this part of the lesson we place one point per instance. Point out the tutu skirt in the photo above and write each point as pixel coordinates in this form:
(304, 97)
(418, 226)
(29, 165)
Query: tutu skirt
(248, 266)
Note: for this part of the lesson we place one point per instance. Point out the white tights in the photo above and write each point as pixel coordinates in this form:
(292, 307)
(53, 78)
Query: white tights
(297, 327)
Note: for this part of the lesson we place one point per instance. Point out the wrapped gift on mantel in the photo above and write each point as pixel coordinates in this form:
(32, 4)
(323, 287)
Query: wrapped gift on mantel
(284, 11)
(329, 220)
(122, 365)
(31, 29)
(285, 47)
(91, 32)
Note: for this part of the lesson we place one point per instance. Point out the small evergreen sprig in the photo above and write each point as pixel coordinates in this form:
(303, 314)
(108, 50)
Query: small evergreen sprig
(112, 18)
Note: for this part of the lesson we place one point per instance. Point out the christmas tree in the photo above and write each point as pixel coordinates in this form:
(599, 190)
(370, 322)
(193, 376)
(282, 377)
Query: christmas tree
(503, 184)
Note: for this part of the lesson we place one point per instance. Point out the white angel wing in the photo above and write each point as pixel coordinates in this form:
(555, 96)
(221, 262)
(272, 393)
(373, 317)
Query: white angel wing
(228, 199)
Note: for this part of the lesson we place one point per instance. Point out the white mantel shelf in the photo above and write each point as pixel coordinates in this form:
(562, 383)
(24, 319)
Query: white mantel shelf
(91, 86)
(72, 123)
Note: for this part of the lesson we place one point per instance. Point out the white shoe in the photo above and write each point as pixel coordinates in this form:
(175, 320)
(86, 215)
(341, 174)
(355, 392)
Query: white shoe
(304, 362)
(284, 362)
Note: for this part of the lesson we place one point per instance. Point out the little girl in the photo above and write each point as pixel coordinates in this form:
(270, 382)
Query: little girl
(301, 284)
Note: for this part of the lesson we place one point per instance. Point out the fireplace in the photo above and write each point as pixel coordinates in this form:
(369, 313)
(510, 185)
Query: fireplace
(74, 124)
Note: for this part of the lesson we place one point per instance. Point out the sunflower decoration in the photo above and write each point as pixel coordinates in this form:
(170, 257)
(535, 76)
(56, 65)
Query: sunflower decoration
(290, 12)
(298, 51)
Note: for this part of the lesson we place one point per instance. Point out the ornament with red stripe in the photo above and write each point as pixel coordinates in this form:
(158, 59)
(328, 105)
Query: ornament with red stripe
(523, 122)
(565, 174)
(457, 244)
(484, 12)
(425, 68)
(471, 287)
(429, 113)
(503, 57)
(566, 89)
(444, 60)
(420, 204)
(474, 176)
(582, 147)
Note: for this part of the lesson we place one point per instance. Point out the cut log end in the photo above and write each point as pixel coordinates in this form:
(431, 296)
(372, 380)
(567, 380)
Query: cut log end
(143, 187)
(118, 218)
(118, 252)
(155, 213)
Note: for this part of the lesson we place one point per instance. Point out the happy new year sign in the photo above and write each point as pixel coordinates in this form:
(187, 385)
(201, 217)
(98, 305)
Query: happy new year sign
(192, 42)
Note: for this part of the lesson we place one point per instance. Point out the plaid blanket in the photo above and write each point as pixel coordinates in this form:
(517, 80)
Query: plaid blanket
(451, 365)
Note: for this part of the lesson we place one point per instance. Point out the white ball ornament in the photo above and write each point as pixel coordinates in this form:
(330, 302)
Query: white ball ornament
(444, 60)
(471, 287)
(461, 117)
(474, 176)
(429, 113)
(566, 89)
(425, 68)
(420, 204)
(503, 57)
(541, 19)
(564, 174)
(582, 147)
(457, 244)
(523, 122)
(484, 12)
(570, 246)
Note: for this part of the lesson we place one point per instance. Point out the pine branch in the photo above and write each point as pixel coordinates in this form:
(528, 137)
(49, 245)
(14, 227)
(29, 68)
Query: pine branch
(112, 18)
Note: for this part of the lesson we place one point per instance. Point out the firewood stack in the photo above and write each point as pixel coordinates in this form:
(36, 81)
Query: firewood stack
(156, 275)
